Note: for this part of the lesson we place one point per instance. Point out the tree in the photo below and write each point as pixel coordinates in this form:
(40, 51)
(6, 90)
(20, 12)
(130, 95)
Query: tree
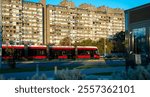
(99, 44)
(119, 42)
(87, 42)
(66, 41)
(109, 46)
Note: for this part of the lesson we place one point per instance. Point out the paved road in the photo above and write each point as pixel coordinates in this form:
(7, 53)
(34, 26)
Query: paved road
(55, 63)
(65, 63)
(50, 74)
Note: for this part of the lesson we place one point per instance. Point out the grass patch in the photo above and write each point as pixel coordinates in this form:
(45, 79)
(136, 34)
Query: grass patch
(114, 58)
(92, 66)
(17, 70)
(99, 66)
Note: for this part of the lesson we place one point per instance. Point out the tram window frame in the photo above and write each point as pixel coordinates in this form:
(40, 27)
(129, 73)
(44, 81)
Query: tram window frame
(37, 52)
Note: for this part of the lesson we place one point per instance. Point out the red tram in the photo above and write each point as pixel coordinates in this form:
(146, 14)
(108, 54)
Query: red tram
(50, 52)
(17, 50)
(87, 52)
(37, 52)
(61, 52)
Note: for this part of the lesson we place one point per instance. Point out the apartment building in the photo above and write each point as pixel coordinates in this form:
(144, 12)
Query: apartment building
(32, 23)
(38, 23)
(11, 20)
(22, 22)
(83, 22)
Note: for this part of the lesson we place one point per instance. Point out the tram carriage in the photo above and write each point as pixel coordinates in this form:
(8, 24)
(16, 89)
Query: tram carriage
(37, 52)
(61, 52)
(17, 50)
(87, 52)
(50, 52)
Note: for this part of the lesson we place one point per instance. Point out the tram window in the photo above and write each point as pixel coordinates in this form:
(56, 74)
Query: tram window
(37, 52)
(83, 52)
(4, 53)
(96, 52)
(19, 52)
(41, 52)
(63, 52)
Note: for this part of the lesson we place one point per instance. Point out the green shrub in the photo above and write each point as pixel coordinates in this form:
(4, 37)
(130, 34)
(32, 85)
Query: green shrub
(139, 73)
(69, 75)
(3, 78)
(39, 77)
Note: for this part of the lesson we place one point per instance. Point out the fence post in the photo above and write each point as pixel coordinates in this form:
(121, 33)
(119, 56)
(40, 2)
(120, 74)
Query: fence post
(37, 69)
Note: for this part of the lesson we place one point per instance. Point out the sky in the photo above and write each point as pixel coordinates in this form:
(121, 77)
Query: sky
(123, 4)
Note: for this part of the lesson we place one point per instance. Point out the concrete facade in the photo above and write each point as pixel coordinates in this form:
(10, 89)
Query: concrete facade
(83, 22)
(22, 22)
(38, 23)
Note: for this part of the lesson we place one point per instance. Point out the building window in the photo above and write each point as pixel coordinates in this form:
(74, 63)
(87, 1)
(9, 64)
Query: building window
(139, 38)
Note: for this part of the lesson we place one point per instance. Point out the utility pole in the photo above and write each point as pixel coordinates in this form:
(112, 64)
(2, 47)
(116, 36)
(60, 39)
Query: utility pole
(105, 46)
